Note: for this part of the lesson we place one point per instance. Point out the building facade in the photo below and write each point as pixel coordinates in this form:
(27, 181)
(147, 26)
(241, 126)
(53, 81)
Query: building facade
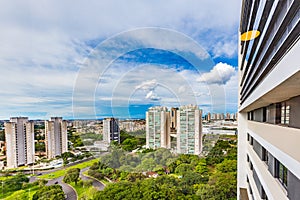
(19, 135)
(189, 130)
(269, 101)
(173, 122)
(111, 130)
(158, 128)
(56, 137)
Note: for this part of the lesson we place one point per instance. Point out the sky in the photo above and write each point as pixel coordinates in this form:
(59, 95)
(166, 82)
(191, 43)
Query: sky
(106, 58)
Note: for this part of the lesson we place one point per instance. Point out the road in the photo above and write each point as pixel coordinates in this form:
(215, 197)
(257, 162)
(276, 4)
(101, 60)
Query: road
(96, 184)
(71, 194)
(68, 190)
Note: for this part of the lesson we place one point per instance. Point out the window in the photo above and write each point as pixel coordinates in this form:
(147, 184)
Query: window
(251, 140)
(263, 193)
(251, 166)
(265, 155)
(285, 113)
(281, 173)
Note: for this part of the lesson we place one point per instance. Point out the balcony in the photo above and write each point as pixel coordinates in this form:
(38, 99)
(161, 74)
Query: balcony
(271, 186)
(285, 139)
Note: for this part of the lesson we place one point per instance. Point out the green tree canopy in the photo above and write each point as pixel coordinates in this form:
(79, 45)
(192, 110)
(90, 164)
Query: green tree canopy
(72, 175)
(52, 192)
(183, 168)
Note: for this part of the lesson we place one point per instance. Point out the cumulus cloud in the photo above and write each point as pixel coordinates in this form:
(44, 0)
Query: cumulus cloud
(220, 74)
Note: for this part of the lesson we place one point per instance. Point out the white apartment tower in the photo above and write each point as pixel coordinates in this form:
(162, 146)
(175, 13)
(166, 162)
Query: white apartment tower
(19, 134)
(56, 137)
(189, 130)
(111, 130)
(158, 128)
(269, 101)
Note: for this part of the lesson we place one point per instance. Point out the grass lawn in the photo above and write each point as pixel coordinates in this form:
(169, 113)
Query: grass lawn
(78, 188)
(62, 172)
(23, 194)
(84, 192)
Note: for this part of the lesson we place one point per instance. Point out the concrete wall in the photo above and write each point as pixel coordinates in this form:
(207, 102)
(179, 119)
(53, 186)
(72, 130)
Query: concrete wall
(293, 187)
(294, 112)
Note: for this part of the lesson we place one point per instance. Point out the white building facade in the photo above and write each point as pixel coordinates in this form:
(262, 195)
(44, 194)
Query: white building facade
(189, 130)
(56, 137)
(111, 130)
(158, 128)
(19, 135)
(269, 101)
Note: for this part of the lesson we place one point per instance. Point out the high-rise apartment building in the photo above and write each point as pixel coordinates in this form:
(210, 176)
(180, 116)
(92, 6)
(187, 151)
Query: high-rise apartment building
(208, 117)
(19, 135)
(189, 130)
(158, 128)
(173, 122)
(111, 130)
(269, 101)
(56, 137)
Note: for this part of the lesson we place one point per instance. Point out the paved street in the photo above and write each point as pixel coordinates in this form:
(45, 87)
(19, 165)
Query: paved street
(71, 194)
(96, 184)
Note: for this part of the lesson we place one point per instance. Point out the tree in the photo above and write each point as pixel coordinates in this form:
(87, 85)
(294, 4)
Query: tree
(72, 175)
(129, 144)
(15, 183)
(87, 183)
(67, 155)
(147, 165)
(191, 178)
(2, 135)
(201, 167)
(183, 168)
(227, 166)
(52, 192)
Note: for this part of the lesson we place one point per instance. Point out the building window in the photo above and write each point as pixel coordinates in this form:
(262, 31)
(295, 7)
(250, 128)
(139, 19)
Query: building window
(281, 173)
(251, 140)
(285, 113)
(251, 166)
(263, 194)
(265, 155)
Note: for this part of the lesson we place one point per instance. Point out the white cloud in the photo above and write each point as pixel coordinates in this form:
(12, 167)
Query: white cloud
(225, 48)
(153, 96)
(147, 85)
(220, 74)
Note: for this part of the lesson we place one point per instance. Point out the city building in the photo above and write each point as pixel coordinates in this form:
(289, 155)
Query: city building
(132, 125)
(269, 100)
(19, 134)
(173, 123)
(56, 137)
(189, 130)
(208, 117)
(158, 128)
(111, 130)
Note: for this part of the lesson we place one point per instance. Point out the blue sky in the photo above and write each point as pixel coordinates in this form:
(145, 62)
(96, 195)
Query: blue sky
(46, 47)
